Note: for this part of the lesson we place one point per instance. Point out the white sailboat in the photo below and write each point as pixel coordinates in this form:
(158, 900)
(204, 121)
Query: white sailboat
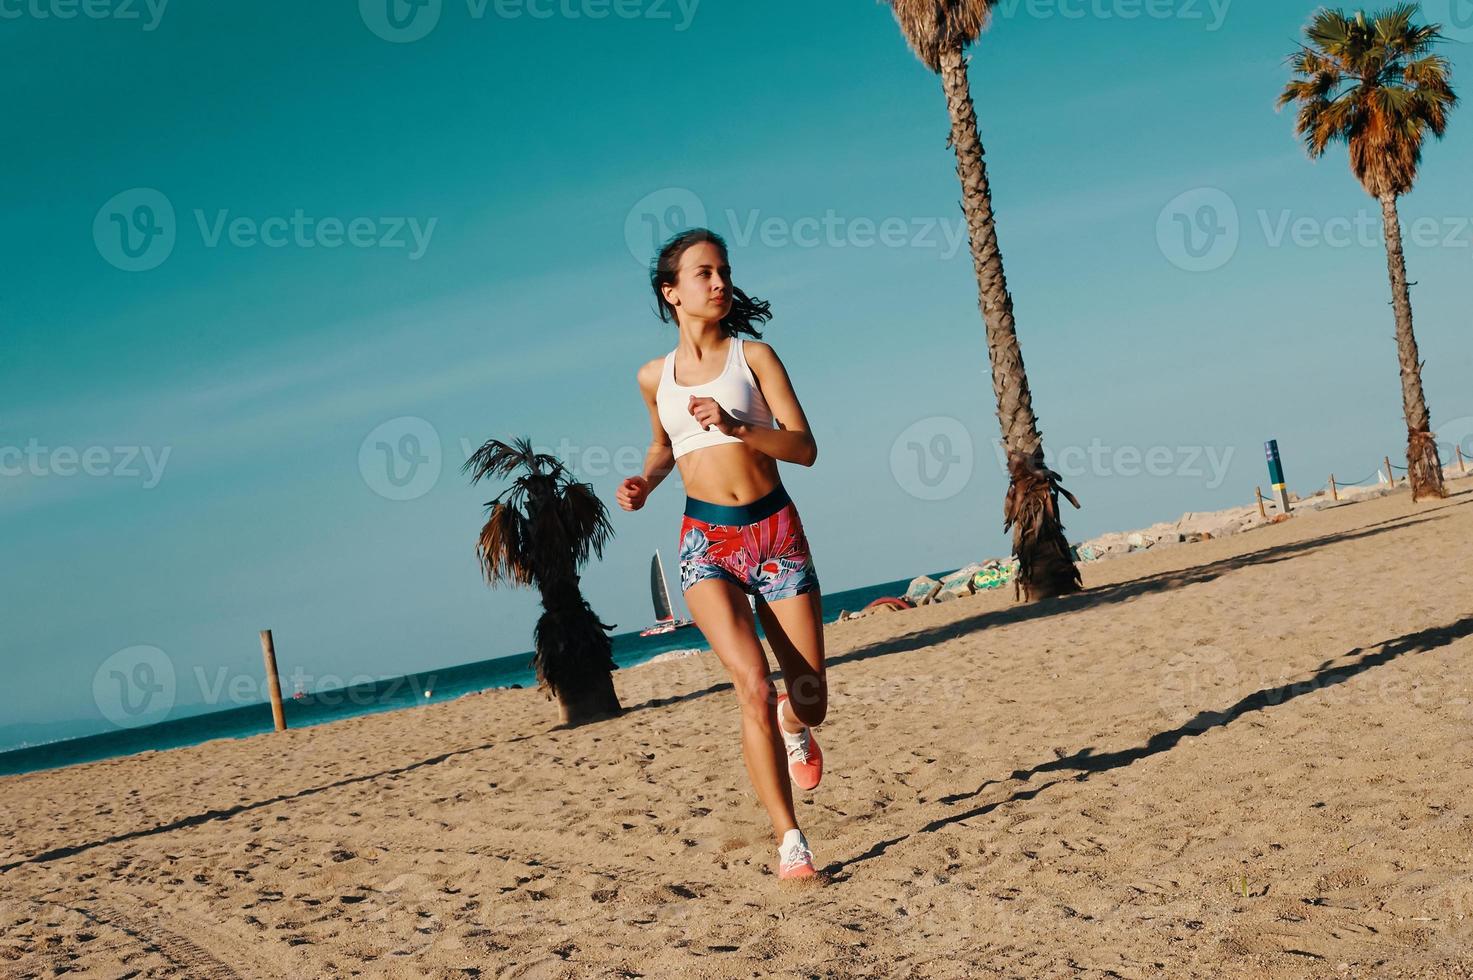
(665, 621)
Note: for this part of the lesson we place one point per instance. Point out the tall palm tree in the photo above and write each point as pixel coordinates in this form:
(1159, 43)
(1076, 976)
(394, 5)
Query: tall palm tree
(1375, 85)
(540, 535)
(938, 31)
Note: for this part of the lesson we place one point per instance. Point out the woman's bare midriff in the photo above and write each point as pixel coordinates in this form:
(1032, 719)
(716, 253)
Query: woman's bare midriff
(732, 474)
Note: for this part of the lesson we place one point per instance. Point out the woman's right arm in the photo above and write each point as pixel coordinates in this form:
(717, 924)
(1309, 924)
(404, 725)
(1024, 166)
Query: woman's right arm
(660, 459)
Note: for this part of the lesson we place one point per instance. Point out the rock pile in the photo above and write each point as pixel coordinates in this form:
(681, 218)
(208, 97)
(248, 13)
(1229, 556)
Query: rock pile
(1191, 528)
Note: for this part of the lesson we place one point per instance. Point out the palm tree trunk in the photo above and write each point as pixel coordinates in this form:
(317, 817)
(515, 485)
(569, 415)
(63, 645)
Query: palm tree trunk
(573, 654)
(1424, 467)
(593, 698)
(1044, 564)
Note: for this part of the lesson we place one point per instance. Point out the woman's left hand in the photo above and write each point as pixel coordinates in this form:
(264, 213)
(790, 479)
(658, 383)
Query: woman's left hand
(709, 414)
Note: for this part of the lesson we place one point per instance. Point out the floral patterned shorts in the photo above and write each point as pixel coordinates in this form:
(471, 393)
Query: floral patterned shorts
(759, 546)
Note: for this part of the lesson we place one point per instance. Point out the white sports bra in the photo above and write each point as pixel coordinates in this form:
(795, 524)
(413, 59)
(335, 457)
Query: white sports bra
(734, 389)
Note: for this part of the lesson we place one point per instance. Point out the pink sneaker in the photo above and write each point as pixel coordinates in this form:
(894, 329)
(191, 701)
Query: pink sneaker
(805, 759)
(794, 859)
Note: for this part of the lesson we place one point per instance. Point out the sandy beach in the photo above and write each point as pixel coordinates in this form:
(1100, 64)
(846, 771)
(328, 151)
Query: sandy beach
(1247, 757)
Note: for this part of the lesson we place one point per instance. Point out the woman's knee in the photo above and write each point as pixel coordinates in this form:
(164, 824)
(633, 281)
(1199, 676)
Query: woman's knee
(757, 696)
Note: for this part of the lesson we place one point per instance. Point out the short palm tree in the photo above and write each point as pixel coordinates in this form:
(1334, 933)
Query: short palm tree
(540, 535)
(938, 31)
(1375, 85)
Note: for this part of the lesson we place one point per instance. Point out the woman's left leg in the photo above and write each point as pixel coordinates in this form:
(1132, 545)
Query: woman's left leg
(794, 628)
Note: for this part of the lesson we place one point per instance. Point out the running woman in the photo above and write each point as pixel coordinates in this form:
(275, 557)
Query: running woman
(723, 411)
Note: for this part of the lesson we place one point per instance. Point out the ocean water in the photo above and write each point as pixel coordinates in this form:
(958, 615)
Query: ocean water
(400, 693)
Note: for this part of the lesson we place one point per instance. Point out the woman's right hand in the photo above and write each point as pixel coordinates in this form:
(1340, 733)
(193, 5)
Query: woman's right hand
(633, 492)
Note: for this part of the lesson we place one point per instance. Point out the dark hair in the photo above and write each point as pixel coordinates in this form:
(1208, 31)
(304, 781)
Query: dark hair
(745, 310)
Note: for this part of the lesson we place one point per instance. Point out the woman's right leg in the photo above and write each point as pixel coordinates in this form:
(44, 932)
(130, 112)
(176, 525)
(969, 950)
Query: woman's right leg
(722, 613)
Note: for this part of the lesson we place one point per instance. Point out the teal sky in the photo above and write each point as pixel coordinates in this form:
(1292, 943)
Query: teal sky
(454, 229)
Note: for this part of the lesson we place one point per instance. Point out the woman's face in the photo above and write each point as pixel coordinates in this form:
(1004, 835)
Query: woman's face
(702, 287)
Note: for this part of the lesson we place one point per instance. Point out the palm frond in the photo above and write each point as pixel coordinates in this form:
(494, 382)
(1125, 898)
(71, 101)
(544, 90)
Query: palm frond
(1373, 84)
(933, 26)
(496, 459)
(500, 550)
(588, 521)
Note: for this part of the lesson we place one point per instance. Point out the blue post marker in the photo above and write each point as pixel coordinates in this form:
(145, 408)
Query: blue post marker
(1276, 474)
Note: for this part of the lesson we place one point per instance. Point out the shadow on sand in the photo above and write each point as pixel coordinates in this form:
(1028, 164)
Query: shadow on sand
(71, 850)
(1085, 763)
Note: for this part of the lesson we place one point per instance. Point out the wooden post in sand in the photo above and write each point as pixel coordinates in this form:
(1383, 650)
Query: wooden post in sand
(1462, 467)
(268, 651)
(1333, 492)
(1261, 512)
(1390, 473)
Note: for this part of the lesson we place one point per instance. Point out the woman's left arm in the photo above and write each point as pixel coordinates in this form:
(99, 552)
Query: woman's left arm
(790, 441)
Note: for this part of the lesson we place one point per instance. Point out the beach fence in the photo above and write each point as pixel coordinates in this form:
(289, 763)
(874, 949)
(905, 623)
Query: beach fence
(1386, 473)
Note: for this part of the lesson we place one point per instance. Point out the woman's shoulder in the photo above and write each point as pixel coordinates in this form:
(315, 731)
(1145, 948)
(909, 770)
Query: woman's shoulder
(759, 349)
(650, 371)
